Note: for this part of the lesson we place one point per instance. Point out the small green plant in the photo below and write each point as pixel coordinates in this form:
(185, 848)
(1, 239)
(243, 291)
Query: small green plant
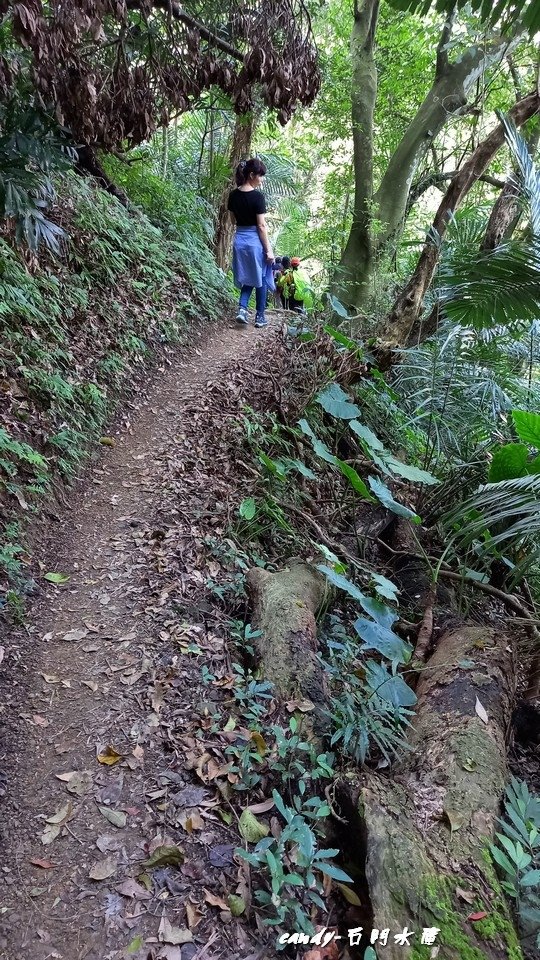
(291, 866)
(369, 705)
(15, 607)
(517, 854)
(252, 696)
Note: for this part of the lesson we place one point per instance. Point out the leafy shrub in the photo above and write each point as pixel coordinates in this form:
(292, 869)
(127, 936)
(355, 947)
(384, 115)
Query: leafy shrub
(517, 854)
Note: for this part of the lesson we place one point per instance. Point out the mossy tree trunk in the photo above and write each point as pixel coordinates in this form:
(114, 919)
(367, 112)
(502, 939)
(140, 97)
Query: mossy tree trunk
(427, 830)
(285, 605)
(388, 206)
(403, 326)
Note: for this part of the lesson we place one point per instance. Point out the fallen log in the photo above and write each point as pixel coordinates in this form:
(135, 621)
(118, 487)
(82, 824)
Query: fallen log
(285, 606)
(427, 830)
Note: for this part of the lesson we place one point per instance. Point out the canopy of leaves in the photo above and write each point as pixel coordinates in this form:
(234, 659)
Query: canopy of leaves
(116, 70)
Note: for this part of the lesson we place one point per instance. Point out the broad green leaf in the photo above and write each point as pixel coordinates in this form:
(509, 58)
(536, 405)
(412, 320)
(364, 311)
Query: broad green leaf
(384, 495)
(531, 878)
(56, 577)
(527, 427)
(136, 944)
(392, 689)
(337, 565)
(301, 468)
(376, 637)
(252, 829)
(331, 871)
(380, 612)
(502, 860)
(237, 905)
(336, 402)
(341, 338)
(319, 447)
(248, 508)
(385, 588)
(509, 461)
(164, 856)
(409, 472)
(274, 466)
(337, 306)
(367, 435)
(354, 479)
(342, 583)
(534, 466)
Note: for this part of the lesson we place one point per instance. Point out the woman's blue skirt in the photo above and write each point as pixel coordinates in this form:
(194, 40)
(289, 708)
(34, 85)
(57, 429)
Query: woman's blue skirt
(250, 268)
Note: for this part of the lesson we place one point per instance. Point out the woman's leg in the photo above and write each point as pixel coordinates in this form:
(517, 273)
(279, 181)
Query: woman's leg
(260, 299)
(245, 294)
(260, 302)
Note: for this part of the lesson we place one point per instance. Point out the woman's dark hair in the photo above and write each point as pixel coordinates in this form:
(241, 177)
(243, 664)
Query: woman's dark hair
(286, 262)
(246, 167)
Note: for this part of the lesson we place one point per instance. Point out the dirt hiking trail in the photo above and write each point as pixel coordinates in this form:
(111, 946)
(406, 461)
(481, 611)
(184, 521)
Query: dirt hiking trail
(100, 689)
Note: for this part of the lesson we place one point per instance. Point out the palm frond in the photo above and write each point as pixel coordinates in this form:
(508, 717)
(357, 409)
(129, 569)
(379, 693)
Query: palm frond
(490, 11)
(496, 287)
(528, 180)
(485, 288)
(513, 505)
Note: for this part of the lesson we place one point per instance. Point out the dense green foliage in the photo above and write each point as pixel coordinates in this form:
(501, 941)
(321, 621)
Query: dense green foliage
(74, 331)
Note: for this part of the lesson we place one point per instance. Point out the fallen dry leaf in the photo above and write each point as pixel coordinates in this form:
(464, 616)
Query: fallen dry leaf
(130, 888)
(80, 783)
(194, 916)
(103, 869)
(263, 807)
(44, 864)
(169, 953)
(117, 817)
(109, 756)
(304, 706)
(481, 711)
(55, 823)
(72, 636)
(108, 844)
(174, 935)
(467, 895)
(214, 901)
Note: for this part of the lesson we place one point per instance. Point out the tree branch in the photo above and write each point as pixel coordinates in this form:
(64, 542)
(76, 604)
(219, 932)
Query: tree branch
(441, 63)
(402, 325)
(176, 11)
(435, 179)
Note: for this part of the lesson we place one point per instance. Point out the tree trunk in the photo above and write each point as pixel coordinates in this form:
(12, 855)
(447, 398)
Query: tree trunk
(506, 210)
(388, 206)
(447, 97)
(285, 605)
(352, 276)
(426, 831)
(87, 163)
(224, 232)
(403, 324)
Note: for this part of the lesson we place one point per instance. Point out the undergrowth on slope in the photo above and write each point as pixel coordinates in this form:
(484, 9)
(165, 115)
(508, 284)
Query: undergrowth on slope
(74, 330)
(338, 455)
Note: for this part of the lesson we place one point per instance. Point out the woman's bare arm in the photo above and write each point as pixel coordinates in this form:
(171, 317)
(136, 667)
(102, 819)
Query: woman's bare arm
(263, 234)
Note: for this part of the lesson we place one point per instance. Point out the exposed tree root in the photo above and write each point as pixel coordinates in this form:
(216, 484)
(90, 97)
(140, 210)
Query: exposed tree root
(285, 605)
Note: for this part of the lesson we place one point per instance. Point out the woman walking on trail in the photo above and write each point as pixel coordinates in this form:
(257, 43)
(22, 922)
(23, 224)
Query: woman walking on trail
(252, 253)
